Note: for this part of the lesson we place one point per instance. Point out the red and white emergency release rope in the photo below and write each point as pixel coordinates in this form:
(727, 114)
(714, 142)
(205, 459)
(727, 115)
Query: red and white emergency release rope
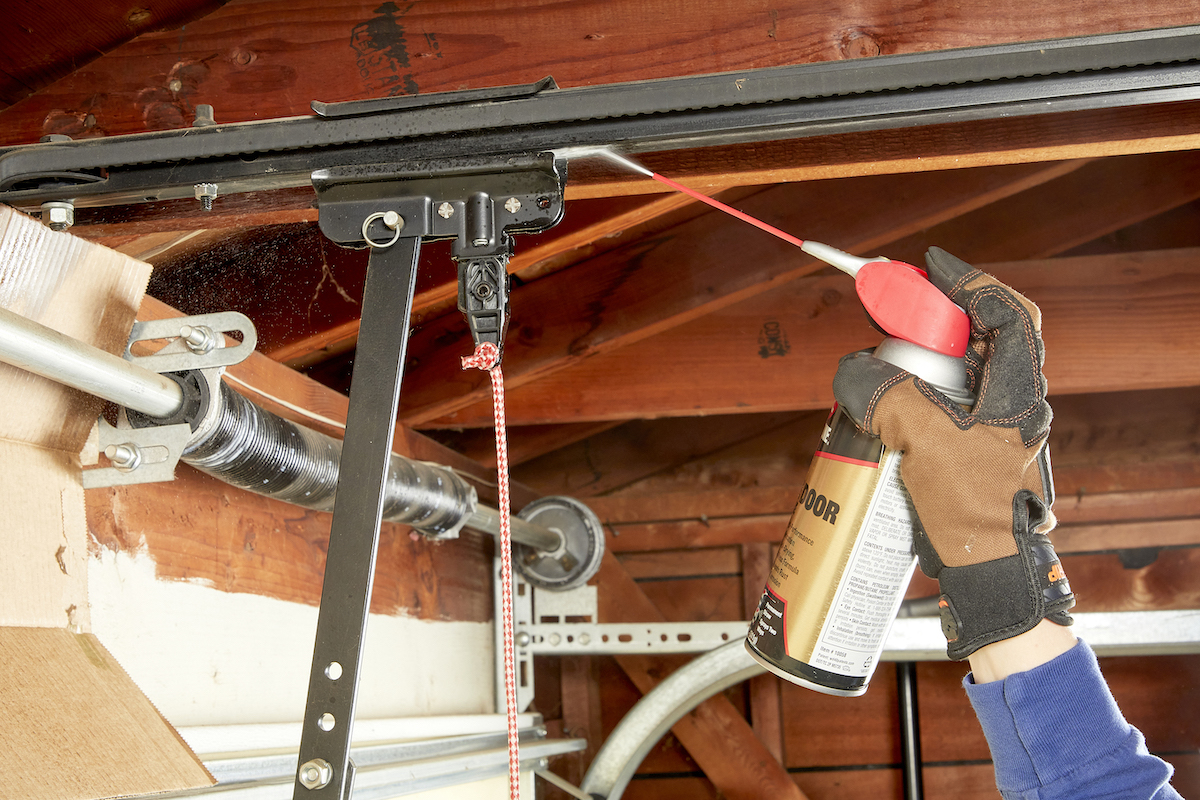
(487, 357)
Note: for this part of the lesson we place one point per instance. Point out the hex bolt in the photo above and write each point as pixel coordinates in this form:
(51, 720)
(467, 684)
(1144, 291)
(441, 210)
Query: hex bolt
(316, 774)
(200, 339)
(204, 116)
(125, 457)
(206, 193)
(58, 214)
(445, 211)
(512, 205)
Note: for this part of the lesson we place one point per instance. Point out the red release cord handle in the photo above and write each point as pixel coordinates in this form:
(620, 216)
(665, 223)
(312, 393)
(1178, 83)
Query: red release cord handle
(900, 298)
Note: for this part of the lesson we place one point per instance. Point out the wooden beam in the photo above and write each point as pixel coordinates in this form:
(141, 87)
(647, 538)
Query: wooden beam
(651, 286)
(257, 60)
(715, 733)
(1101, 197)
(1150, 338)
(638, 449)
(197, 528)
(524, 443)
(766, 715)
(43, 43)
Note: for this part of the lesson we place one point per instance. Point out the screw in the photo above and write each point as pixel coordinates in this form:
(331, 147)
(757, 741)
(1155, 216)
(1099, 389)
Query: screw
(58, 214)
(316, 774)
(543, 203)
(204, 116)
(125, 457)
(445, 211)
(206, 193)
(200, 339)
(512, 205)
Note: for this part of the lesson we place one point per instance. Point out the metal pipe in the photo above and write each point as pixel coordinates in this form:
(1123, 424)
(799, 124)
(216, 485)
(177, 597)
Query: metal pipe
(910, 731)
(253, 449)
(487, 520)
(44, 351)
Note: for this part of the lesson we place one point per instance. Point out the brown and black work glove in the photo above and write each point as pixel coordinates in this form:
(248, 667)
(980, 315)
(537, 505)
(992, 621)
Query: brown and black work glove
(980, 478)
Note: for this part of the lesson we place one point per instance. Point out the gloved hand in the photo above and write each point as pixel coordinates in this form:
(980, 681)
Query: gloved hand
(979, 478)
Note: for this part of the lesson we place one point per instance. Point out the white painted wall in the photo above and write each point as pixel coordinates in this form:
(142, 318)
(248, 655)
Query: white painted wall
(206, 657)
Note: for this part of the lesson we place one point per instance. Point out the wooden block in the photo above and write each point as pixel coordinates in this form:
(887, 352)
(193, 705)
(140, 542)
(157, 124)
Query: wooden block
(197, 527)
(78, 726)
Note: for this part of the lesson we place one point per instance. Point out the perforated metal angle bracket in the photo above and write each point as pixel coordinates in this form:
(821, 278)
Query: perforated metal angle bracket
(566, 623)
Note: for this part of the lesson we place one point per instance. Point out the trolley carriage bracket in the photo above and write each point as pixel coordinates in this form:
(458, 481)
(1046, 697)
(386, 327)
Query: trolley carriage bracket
(478, 203)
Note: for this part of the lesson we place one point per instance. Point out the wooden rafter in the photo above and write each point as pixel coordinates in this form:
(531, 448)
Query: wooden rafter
(641, 290)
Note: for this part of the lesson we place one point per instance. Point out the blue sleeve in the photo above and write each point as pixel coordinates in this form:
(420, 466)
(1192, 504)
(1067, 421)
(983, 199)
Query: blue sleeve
(1056, 732)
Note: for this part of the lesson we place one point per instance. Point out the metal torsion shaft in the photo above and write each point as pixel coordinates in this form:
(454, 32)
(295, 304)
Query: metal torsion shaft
(253, 449)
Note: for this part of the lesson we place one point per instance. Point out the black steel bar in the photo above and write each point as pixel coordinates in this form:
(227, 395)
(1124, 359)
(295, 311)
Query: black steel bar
(354, 532)
(910, 730)
(751, 106)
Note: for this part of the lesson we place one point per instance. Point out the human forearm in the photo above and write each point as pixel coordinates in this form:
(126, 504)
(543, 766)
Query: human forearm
(1021, 653)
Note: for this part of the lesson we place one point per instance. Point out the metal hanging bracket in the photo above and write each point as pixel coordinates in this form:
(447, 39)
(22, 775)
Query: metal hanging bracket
(137, 455)
(477, 204)
(196, 342)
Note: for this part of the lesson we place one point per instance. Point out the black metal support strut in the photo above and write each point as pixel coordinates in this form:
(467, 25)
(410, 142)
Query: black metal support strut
(354, 533)
(392, 208)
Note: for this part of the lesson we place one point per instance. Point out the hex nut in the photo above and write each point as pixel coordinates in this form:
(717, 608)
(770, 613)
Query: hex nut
(58, 215)
(316, 774)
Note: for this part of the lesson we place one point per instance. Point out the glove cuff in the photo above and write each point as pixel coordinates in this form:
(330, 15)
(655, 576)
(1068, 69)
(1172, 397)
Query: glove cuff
(985, 603)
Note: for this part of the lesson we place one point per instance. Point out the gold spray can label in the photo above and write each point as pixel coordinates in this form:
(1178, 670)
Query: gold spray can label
(841, 570)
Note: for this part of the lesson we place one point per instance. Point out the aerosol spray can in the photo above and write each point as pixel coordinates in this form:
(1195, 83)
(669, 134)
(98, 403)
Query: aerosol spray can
(846, 560)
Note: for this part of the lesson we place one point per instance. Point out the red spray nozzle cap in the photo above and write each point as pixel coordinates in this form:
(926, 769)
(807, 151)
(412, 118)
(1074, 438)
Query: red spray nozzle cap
(902, 301)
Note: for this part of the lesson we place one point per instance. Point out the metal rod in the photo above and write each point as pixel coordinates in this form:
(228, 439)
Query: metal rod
(910, 731)
(46, 352)
(487, 520)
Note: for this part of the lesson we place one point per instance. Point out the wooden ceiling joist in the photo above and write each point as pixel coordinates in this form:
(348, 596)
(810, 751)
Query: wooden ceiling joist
(719, 364)
(260, 60)
(654, 285)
